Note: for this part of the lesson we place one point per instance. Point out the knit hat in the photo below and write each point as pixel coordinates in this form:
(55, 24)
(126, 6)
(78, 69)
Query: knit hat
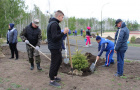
(88, 28)
(98, 38)
(11, 25)
(36, 22)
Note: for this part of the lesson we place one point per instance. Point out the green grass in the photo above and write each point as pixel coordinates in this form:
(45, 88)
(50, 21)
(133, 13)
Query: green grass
(123, 77)
(19, 39)
(134, 45)
(15, 85)
(129, 61)
(113, 80)
(119, 84)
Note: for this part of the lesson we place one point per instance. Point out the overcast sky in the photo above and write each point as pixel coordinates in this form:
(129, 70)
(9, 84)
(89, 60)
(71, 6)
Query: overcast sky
(124, 9)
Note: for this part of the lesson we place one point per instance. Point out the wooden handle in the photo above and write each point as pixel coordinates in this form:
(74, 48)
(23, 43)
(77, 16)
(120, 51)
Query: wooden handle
(40, 52)
(69, 51)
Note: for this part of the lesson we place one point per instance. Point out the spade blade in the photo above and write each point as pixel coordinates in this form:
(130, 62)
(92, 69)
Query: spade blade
(66, 60)
(92, 67)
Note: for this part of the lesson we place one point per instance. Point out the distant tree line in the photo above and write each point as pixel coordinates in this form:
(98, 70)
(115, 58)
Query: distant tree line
(15, 11)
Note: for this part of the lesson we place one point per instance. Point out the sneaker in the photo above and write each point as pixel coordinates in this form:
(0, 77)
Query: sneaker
(54, 83)
(105, 66)
(112, 63)
(117, 75)
(57, 79)
(86, 46)
(90, 44)
(11, 57)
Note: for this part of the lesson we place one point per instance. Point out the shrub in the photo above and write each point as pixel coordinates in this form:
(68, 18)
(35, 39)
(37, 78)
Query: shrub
(44, 35)
(84, 34)
(133, 39)
(97, 33)
(79, 60)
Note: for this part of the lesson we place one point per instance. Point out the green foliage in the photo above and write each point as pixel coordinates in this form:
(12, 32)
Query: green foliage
(15, 85)
(11, 11)
(133, 39)
(19, 39)
(79, 60)
(123, 77)
(44, 36)
(84, 34)
(97, 33)
(72, 23)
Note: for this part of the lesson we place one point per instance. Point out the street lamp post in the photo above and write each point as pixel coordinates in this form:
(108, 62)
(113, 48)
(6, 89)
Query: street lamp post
(101, 16)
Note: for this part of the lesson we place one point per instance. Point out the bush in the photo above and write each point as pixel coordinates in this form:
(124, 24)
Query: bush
(133, 39)
(44, 35)
(84, 34)
(1, 42)
(97, 33)
(79, 61)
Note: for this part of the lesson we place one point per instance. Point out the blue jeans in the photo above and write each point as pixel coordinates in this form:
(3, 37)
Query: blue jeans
(120, 60)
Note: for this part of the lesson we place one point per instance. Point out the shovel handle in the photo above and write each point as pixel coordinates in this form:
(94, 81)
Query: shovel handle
(69, 51)
(40, 52)
(95, 61)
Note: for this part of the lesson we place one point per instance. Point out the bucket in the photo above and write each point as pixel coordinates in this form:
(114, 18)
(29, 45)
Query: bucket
(85, 40)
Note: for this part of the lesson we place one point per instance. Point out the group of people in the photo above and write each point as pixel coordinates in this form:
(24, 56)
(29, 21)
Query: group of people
(31, 35)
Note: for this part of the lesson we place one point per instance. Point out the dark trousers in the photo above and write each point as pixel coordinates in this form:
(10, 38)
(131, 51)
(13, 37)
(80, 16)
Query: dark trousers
(56, 60)
(13, 48)
(120, 60)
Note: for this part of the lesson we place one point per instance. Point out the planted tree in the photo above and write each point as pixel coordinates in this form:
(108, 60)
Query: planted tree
(79, 61)
(133, 39)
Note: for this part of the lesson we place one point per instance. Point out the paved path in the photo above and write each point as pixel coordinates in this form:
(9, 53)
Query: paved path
(133, 53)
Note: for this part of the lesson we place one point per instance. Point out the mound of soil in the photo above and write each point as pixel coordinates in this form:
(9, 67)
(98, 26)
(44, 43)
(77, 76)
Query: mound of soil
(65, 68)
(93, 35)
(137, 41)
(110, 38)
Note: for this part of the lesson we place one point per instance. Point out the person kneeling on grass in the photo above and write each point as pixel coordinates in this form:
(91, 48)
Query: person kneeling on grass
(108, 46)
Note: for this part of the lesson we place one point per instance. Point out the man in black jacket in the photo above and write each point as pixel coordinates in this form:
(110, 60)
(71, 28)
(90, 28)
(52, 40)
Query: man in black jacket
(31, 34)
(54, 36)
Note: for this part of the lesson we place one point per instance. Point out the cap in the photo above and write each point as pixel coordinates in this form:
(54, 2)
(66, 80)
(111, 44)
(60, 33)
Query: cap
(88, 28)
(36, 22)
(98, 37)
(117, 21)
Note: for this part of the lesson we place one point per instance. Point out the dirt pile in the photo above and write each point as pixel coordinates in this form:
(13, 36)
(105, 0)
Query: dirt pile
(137, 41)
(91, 59)
(93, 35)
(110, 38)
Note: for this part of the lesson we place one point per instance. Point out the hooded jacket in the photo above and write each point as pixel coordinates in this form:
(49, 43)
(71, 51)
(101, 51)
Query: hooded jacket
(105, 45)
(54, 34)
(33, 35)
(88, 33)
(121, 38)
(12, 34)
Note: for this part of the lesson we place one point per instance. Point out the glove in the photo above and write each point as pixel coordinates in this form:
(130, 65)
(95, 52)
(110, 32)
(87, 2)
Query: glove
(26, 41)
(65, 50)
(37, 48)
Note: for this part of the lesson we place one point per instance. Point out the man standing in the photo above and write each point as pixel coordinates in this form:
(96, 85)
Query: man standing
(31, 34)
(81, 32)
(12, 40)
(121, 38)
(54, 36)
(108, 46)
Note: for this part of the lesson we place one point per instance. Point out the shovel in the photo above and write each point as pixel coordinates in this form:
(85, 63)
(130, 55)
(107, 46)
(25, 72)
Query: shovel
(92, 67)
(66, 60)
(40, 52)
(70, 55)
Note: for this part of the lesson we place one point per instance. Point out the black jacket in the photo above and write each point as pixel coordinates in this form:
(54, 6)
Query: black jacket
(54, 34)
(33, 35)
(88, 33)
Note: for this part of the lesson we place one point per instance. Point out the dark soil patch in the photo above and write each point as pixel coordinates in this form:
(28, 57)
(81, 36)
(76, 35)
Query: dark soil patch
(93, 35)
(110, 38)
(137, 41)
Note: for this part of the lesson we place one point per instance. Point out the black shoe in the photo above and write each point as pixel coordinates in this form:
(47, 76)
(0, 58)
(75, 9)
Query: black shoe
(16, 59)
(32, 66)
(54, 83)
(38, 66)
(105, 66)
(112, 63)
(57, 79)
(11, 57)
